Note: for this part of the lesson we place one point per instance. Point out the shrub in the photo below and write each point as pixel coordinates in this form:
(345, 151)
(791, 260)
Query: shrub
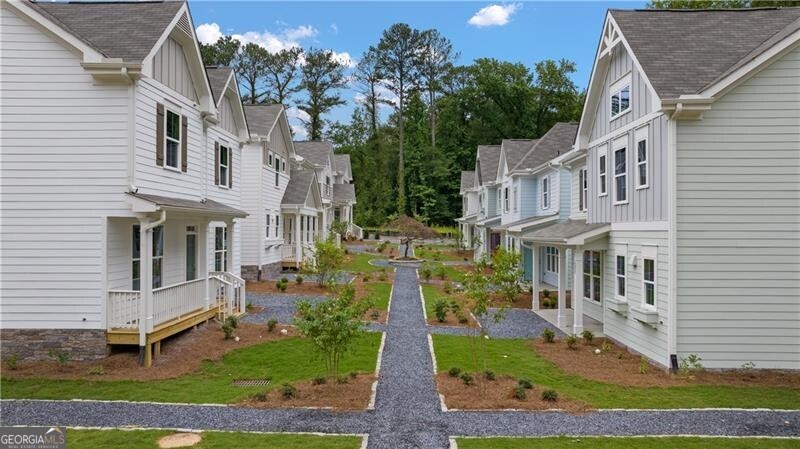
(644, 366)
(519, 393)
(232, 321)
(11, 362)
(367, 277)
(228, 330)
(271, 324)
(260, 397)
(690, 363)
(60, 356)
(280, 285)
(440, 309)
(298, 279)
(448, 287)
(427, 273)
(462, 317)
(525, 383)
(382, 276)
(455, 307)
(587, 337)
(550, 395)
(454, 371)
(96, 370)
(319, 380)
(375, 314)
(466, 378)
(571, 341)
(284, 280)
(489, 374)
(606, 346)
(748, 366)
(548, 335)
(546, 293)
(441, 272)
(288, 391)
(341, 380)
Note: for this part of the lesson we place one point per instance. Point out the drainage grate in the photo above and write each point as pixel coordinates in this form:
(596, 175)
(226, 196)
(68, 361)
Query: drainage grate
(251, 382)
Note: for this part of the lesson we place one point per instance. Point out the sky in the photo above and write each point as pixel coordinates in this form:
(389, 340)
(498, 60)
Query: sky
(524, 32)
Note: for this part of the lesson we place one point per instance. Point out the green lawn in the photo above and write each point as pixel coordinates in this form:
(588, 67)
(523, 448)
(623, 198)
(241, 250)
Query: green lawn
(431, 294)
(147, 439)
(288, 360)
(626, 443)
(439, 253)
(380, 291)
(516, 357)
(359, 263)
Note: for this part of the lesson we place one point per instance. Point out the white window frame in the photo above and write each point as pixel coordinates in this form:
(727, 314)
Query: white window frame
(277, 225)
(158, 231)
(223, 252)
(515, 198)
(583, 190)
(224, 180)
(506, 199)
(546, 188)
(551, 255)
(591, 279)
(602, 171)
(641, 136)
(178, 142)
(620, 144)
(271, 160)
(621, 251)
(283, 165)
(650, 252)
(616, 90)
(268, 224)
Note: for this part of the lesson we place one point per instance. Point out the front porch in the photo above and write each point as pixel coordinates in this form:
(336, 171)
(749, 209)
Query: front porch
(301, 228)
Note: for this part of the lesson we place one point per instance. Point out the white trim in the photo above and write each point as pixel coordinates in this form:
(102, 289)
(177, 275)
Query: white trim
(642, 135)
(621, 250)
(650, 252)
(620, 144)
(641, 226)
(616, 88)
(643, 120)
(373, 395)
(546, 193)
(672, 290)
(602, 175)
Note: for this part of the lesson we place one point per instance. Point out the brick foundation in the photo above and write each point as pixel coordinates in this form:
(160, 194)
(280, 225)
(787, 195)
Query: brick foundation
(35, 344)
(250, 273)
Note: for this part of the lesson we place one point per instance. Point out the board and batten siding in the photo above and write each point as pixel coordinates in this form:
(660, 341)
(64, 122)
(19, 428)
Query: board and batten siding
(738, 224)
(227, 118)
(171, 69)
(575, 210)
(641, 338)
(63, 153)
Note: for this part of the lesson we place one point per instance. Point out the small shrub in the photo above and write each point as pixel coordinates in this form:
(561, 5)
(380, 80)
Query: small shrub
(61, 357)
(375, 314)
(689, 364)
(248, 308)
(462, 317)
(466, 378)
(284, 280)
(228, 330)
(271, 325)
(587, 337)
(288, 391)
(11, 362)
(448, 287)
(232, 321)
(319, 380)
(550, 395)
(441, 272)
(520, 393)
(606, 346)
(546, 293)
(489, 374)
(298, 279)
(455, 307)
(454, 371)
(440, 309)
(367, 277)
(341, 380)
(571, 341)
(620, 355)
(644, 366)
(382, 276)
(548, 335)
(427, 273)
(525, 383)
(260, 397)
(96, 370)
(748, 366)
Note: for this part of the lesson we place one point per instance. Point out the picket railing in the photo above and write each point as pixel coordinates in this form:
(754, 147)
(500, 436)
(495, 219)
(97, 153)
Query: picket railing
(123, 309)
(175, 301)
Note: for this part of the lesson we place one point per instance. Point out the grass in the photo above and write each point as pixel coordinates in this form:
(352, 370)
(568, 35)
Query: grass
(625, 442)
(437, 254)
(516, 357)
(431, 294)
(359, 263)
(147, 439)
(288, 360)
(380, 291)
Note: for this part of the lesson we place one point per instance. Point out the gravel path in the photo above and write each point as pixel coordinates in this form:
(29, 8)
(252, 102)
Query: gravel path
(517, 323)
(275, 306)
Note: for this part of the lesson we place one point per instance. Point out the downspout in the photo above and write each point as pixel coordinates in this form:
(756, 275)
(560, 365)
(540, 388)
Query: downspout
(131, 131)
(672, 310)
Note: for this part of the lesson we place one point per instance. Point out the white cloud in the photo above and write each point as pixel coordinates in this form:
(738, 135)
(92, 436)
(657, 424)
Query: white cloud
(299, 132)
(208, 33)
(494, 15)
(295, 113)
(335, 28)
(345, 59)
(384, 94)
(301, 32)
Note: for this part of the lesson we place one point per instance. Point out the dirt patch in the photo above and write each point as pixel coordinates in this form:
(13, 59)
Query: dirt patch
(498, 394)
(376, 316)
(353, 395)
(179, 440)
(452, 320)
(523, 300)
(616, 365)
(180, 355)
(292, 288)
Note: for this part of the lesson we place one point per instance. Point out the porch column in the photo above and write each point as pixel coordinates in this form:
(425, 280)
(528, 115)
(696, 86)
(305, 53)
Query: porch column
(298, 239)
(535, 268)
(561, 320)
(577, 290)
(145, 281)
(209, 259)
(228, 263)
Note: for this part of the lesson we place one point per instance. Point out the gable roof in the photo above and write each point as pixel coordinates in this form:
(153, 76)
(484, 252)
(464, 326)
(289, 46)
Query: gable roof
(489, 158)
(344, 193)
(467, 180)
(684, 51)
(300, 181)
(556, 141)
(341, 163)
(218, 79)
(261, 118)
(127, 30)
(516, 149)
(317, 152)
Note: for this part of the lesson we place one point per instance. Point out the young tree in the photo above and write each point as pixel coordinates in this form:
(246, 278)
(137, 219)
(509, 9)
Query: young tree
(506, 274)
(398, 52)
(222, 52)
(322, 77)
(410, 230)
(434, 64)
(280, 74)
(327, 262)
(250, 66)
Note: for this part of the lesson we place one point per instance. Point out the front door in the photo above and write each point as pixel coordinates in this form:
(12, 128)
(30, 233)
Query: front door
(550, 265)
(494, 242)
(191, 254)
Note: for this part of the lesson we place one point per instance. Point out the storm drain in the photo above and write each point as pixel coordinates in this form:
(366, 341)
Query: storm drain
(251, 382)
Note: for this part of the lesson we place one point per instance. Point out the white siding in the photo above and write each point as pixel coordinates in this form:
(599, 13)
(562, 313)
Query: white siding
(227, 118)
(171, 69)
(738, 224)
(575, 211)
(63, 165)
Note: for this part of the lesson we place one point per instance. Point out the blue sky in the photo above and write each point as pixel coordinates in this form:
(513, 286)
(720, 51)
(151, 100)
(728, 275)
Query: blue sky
(524, 32)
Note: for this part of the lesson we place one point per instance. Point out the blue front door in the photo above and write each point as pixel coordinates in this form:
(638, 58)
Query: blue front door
(527, 264)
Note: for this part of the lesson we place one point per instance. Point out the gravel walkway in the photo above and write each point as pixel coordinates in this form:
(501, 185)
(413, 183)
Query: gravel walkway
(275, 306)
(407, 413)
(518, 323)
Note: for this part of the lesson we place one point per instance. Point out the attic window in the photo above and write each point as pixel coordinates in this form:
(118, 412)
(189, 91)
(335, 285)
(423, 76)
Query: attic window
(620, 97)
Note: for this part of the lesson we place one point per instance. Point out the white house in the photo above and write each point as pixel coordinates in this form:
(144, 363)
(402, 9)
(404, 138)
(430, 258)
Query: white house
(469, 209)
(344, 195)
(120, 176)
(485, 239)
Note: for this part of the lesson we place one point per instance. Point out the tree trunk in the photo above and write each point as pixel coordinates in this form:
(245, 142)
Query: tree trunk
(401, 174)
(432, 105)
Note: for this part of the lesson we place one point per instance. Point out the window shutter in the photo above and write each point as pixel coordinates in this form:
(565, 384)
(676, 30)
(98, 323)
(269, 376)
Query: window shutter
(216, 163)
(159, 134)
(230, 167)
(184, 144)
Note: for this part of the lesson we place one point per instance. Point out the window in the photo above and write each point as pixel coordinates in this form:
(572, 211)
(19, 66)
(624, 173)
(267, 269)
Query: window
(505, 199)
(224, 166)
(277, 225)
(621, 97)
(583, 185)
(265, 156)
(620, 175)
(268, 226)
(516, 198)
(649, 277)
(641, 158)
(602, 175)
(591, 275)
(173, 140)
(270, 160)
(283, 165)
(546, 192)
(621, 276)
(136, 259)
(277, 179)
(551, 259)
(220, 249)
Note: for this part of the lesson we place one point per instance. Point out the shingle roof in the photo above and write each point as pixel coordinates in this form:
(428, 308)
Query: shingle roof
(315, 151)
(344, 193)
(341, 163)
(684, 51)
(557, 140)
(515, 150)
(467, 179)
(127, 30)
(297, 190)
(489, 156)
(561, 232)
(261, 117)
(217, 78)
(207, 206)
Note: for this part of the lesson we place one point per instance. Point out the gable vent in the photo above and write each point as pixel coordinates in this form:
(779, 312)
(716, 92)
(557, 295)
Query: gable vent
(184, 24)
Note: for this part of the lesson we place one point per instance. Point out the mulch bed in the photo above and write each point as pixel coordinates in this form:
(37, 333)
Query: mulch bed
(353, 395)
(498, 394)
(620, 367)
(180, 355)
(453, 321)
(293, 288)
(524, 300)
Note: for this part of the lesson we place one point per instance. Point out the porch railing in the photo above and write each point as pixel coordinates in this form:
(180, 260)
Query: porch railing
(123, 309)
(356, 231)
(232, 287)
(288, 252)
(174, 301)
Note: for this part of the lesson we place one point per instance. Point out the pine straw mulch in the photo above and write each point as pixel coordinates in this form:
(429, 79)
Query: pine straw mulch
(293, 288)
(181, 354)
(619, 367)
(523, 300)
(498, 395)
(453, 321)
(353, 395)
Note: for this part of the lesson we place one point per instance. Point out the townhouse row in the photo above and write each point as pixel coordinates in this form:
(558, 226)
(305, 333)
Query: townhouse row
(138, 193)
(668, 219)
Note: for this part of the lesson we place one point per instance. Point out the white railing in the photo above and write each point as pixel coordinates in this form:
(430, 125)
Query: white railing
(123, 309)
(288, 251)
(233, 291)
(174, 301)
(356, 231)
